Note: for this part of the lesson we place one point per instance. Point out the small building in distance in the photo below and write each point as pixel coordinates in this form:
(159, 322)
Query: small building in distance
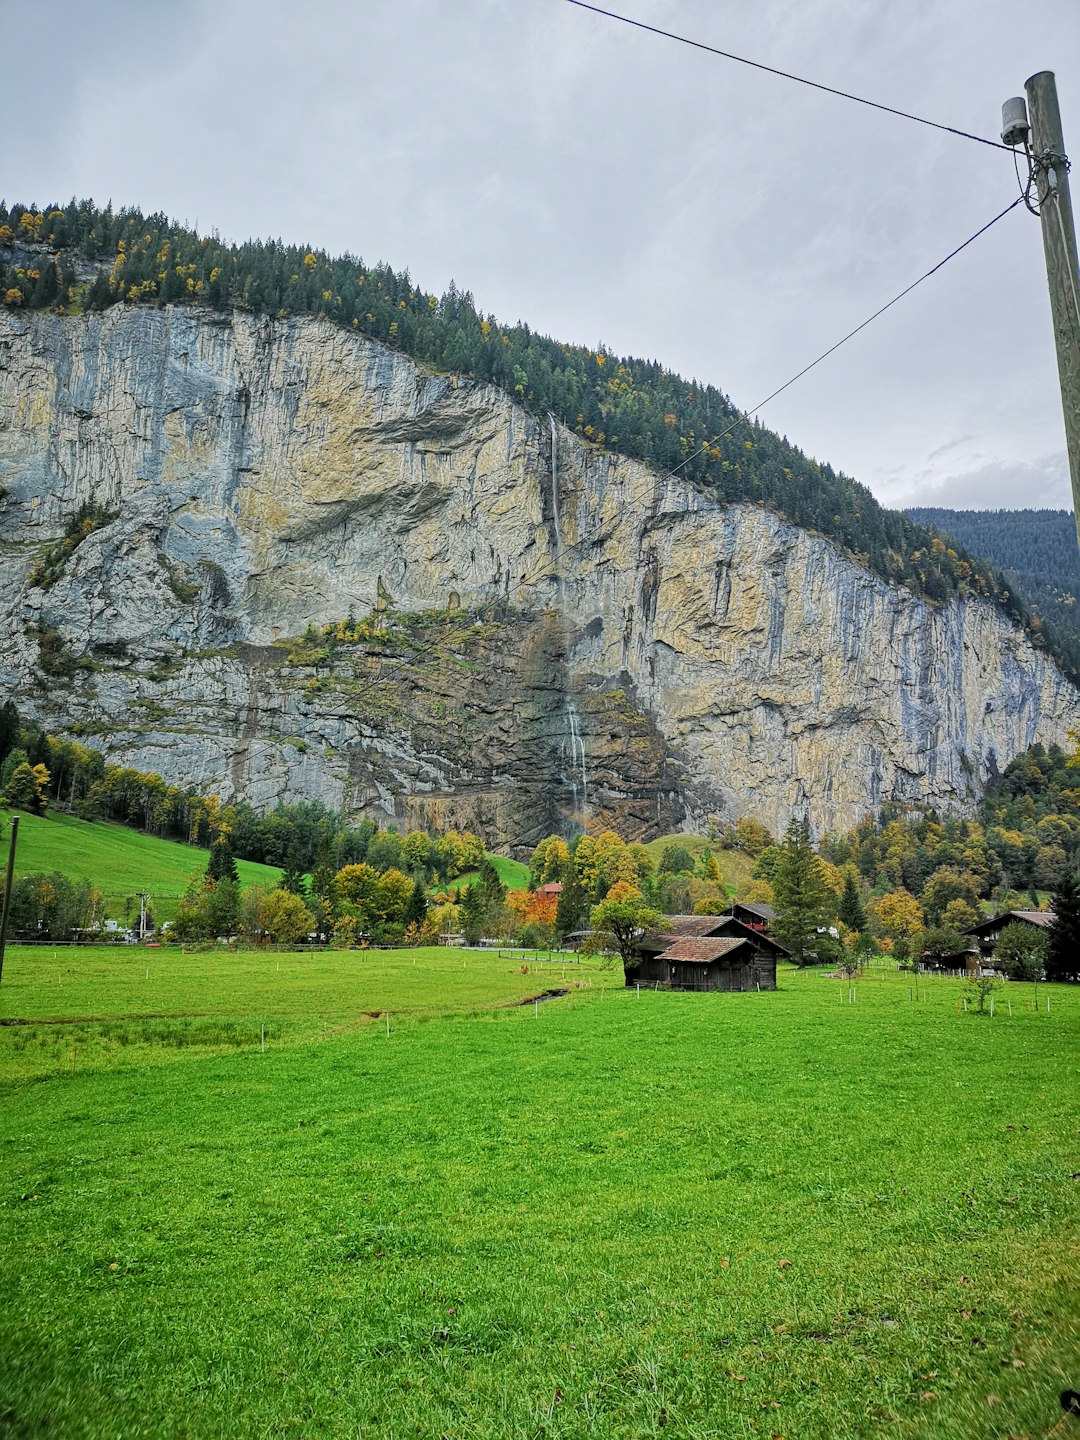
(986, 933)
(757, 917)
(706, 952)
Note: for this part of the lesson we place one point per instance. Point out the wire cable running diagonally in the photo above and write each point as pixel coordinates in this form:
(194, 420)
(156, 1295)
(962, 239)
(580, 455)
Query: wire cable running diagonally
(786, 74)
(745, 416)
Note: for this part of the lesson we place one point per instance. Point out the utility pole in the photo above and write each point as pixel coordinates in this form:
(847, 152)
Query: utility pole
(7, 888)
(1051, 171)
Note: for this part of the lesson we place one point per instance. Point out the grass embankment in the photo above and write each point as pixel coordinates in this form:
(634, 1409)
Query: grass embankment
(513, 874)
(118, 860)
(735, 865)
(710, 1215)
(121, 861)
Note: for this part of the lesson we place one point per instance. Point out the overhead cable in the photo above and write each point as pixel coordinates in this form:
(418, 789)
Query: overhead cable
(745, 416)
(786, 74)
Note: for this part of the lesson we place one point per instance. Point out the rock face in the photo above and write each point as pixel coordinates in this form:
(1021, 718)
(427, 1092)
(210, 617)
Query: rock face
(549, 635)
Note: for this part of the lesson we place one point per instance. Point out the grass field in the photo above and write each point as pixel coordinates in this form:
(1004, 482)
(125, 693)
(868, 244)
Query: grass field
(513, 874)
(118, 860)
(735, 865)
(121, 861)
(608, 1215)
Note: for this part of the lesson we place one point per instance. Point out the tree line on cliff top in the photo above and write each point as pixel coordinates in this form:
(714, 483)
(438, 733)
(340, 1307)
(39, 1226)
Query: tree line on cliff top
(623, 403)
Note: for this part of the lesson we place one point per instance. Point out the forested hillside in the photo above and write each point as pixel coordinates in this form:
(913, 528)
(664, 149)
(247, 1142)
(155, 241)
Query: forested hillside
(80, 256)
(1035, 549)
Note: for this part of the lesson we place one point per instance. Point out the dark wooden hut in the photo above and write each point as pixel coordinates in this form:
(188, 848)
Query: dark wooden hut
(723, 962)
(706, 952)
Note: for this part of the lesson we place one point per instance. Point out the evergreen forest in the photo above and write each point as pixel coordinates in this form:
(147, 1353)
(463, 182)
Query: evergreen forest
(80, 256)
(1035, 550)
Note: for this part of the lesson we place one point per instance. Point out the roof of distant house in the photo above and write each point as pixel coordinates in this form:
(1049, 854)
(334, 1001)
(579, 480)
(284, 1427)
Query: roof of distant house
(765, 911)
(679, 927)
(1031, 917)
(553, 888)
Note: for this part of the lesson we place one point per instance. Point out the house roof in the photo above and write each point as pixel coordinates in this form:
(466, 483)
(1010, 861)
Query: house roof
(1041, 918)
(700, 927)
(704, 951)
(553, 888)
(766, 912)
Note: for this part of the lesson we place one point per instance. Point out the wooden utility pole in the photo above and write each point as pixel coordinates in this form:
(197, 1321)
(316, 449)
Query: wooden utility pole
(1059, 242)
(7, 888)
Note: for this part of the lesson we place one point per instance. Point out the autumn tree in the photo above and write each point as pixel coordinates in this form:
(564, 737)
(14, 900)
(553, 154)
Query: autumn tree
(621, 923)
(900, 916)
(752, 836)
(946, 884)
(284, 918)
(27, 788)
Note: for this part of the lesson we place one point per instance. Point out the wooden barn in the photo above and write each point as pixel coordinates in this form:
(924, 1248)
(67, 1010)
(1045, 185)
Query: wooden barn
(706, 952)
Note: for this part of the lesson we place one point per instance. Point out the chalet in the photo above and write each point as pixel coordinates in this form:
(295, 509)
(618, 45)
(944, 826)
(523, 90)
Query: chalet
(987, 933)
(554, 888)
(758, 917)
(706, 952)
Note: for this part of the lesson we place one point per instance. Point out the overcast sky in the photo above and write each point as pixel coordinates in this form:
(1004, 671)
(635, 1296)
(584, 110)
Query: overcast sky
(608, 185)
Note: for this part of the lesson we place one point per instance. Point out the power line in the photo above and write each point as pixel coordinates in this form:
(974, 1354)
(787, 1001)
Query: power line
(786, 74)
(745, 416)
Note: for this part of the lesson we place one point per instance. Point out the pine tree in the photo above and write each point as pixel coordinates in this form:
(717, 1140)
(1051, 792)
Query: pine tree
(293, 877)
(222, 865)
(472, 914)
(1063, 956)
(803, 902)
(851, 909)
(416, 909)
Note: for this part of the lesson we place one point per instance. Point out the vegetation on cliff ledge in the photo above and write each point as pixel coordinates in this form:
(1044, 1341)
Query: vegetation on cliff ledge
(630, 405)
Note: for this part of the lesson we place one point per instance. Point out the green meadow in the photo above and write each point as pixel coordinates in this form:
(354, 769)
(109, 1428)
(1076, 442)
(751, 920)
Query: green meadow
(118, 860)
(513, 874)
(369, 1195)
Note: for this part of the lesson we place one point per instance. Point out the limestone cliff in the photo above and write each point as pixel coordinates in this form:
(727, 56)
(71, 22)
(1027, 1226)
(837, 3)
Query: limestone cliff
(560, 636)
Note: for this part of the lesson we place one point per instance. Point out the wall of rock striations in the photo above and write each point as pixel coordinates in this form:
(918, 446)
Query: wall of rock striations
(557, 636)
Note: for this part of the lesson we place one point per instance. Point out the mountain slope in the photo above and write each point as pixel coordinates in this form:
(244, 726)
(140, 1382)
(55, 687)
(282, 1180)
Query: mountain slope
(81, 255)
(543, 634)
(1035, 550)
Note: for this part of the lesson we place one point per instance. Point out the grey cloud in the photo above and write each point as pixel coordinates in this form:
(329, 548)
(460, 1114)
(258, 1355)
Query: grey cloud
(1035, 484)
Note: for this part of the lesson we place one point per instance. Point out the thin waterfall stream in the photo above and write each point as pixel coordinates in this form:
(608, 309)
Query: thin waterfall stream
(576, 743)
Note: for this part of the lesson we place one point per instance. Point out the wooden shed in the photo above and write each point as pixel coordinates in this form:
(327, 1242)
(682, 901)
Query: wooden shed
(706, 952)
(721, 963)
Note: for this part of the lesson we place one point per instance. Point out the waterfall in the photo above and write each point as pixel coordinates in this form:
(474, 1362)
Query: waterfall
(555, 482)
(577, 749)
(578, 768)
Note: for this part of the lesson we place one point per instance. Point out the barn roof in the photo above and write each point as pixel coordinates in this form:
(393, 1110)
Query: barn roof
(703, 952)
(732, 925)
(679, 927)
